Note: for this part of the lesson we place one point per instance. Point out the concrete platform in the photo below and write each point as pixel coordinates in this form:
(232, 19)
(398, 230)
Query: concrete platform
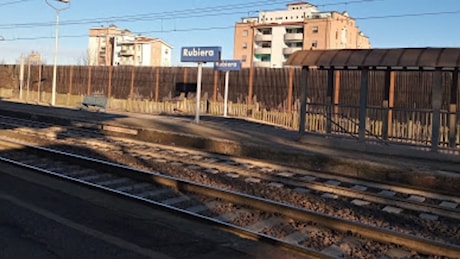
(246, 138)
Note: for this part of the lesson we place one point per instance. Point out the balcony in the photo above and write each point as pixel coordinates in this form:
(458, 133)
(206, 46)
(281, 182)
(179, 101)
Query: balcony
(291, 50)
(293, 37)
(262, 64)
(263, 50)
(263, 38)
(127, 52)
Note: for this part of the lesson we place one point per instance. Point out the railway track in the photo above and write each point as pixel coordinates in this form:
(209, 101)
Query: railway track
(289, 226)
(385, 197)
(426, 206)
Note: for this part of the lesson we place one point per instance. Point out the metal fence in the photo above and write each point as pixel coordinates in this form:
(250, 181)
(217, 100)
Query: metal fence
(271, 95)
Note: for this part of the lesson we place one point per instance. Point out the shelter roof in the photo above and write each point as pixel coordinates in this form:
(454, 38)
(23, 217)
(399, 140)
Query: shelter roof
(398, 58)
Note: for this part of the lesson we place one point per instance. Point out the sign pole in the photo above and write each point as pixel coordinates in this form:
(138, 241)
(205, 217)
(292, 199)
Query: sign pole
(199, 55)
(21, 77)
(227, 66)
(226, 93)
(198, 92)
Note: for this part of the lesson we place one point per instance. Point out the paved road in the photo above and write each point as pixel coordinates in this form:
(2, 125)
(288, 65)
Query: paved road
(41, 217)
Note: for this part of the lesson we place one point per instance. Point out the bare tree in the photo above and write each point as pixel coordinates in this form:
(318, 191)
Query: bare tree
(83, 59)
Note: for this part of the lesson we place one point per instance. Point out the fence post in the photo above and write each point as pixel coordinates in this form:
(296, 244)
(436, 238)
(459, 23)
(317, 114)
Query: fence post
(157, 83)
(185, 76)
(363, 103)
(39, 81)
(88, 92)
(70, 85)
(436, 106)
(216, 79)
(131, 88)
(303, 100)
(109, 85)
(336, 98)
(388, 103)
(453, 109)
(290, 86)
(329, 99)
(251, 82)
(391, 103)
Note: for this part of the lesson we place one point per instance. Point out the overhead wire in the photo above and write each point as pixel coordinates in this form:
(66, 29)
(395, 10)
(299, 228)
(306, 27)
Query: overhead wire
(184, 13)
(232, 26)
(170, 15)
(14, 2)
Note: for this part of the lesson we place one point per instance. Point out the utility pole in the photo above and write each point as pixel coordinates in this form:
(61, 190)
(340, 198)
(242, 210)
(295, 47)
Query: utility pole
(56, 40)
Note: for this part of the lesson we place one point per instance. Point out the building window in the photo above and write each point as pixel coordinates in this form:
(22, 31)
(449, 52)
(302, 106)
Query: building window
(245, 45)
(266, 45)
(245, 33)
(315, 29)
(265, 58)
(244, 58)
(314, 44)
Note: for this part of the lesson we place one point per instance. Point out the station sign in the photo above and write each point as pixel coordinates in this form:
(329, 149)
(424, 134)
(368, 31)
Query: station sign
(200, 54)
(227, 65)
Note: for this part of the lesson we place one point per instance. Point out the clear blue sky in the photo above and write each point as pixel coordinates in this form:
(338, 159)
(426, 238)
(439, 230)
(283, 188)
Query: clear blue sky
(388, 23)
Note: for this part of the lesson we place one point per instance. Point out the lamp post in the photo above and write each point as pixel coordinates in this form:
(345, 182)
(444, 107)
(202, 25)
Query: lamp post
(58, 10)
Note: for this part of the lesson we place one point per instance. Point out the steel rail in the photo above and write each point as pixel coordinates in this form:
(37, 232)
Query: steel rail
(158, 179)
(418, 244)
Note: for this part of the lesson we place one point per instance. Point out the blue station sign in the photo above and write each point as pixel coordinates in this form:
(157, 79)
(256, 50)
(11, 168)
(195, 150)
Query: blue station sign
(226, 65)
(200, 54)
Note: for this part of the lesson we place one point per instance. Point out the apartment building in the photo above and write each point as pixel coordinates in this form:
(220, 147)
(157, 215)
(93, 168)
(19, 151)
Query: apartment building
(269, 39)
(112, 46)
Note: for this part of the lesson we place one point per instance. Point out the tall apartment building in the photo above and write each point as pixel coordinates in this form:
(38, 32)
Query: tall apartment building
(112, 46)
(269, 39)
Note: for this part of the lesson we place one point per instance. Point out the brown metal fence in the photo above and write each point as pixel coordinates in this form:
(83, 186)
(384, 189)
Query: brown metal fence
(272, 88)
(275, 91)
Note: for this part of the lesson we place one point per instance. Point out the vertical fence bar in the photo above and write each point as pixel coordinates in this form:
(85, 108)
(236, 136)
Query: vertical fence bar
(216, 81)
(391, 102)
(88, 91)
(363, 103)
(157, 83)
(303, 100)
(337, 92)
(453, 109)
(184, 77)
(436, 106)
(386, 104)
(329, 99)
(39, 81)
(251, 84)
(131, 86)
(70, 83)
(109, 84)
(290, 87)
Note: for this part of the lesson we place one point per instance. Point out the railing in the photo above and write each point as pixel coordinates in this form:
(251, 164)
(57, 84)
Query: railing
(290, 50)
(293, 37)
(383, 125)
(262, 50)
(396, 125)
(263, 37)
(262, 64)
